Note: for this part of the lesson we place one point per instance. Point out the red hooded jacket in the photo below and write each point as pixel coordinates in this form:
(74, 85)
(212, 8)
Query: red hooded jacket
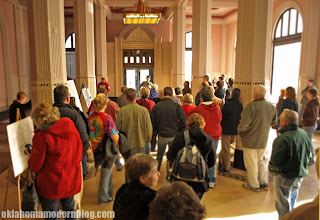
(56, 155)
(212, 116)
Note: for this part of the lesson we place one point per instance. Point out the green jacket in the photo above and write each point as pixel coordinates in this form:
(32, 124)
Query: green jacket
(256, 120)
(291, 152)
(134, 120)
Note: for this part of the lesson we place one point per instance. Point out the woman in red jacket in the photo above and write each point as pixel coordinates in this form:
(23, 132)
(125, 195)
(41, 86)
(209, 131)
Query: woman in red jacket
(55, 157)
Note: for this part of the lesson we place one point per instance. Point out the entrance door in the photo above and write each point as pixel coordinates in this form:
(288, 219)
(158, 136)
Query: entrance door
(134, 77)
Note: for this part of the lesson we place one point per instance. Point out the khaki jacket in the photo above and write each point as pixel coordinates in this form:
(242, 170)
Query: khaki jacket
(134, 120)
(256, 120)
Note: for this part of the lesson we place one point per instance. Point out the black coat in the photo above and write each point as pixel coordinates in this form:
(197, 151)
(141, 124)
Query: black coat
(13, 110)
(220, 93)
(287, 104)
(231, 115)
(206, 147)
(186, 90)
(132, 201)
(168, 118)
(68, 111)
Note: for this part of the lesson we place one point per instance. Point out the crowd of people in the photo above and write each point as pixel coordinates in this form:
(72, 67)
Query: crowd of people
(132, 127)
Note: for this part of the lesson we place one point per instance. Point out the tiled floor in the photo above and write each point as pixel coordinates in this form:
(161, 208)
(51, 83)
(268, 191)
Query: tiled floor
(228, 200)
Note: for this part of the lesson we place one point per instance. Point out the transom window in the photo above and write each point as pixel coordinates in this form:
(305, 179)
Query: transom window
(289, 27)
(138, 57)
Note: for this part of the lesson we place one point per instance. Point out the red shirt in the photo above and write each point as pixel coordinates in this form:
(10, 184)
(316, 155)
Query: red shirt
(213, 117)
(112, 109)
(56, 155)
(146, 103)
(104, 85)
(187, 109)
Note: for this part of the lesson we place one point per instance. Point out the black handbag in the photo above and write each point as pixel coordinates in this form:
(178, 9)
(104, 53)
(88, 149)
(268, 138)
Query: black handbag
(30, 198)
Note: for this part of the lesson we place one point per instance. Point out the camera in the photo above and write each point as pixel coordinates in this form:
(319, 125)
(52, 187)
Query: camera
(29, 147)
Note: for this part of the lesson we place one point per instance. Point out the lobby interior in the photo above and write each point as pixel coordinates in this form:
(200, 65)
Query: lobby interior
(44, 43)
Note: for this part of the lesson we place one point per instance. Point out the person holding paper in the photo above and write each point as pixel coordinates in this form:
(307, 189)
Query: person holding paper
(55, 158)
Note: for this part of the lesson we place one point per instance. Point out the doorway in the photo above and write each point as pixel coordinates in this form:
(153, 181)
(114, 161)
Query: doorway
(133, 77)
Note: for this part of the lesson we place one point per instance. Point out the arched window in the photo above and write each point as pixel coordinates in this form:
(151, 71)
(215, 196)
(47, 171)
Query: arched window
(71, 42)
(188, 57)
(286, 52)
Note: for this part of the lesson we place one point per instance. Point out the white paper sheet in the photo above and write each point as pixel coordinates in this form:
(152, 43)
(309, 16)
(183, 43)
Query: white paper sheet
(74, 93)
(20, 133)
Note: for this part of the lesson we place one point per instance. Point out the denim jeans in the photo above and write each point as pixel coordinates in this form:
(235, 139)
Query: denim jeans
(117, 162)
(148, 148)
(212, 170)
(286, 193)
(84, 163)
(301, 112)
(105, 186)
(310, 130)
(162, 145)
(67, 204)
(135, 151)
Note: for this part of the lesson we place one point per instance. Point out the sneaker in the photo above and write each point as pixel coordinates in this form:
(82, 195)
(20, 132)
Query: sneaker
(119, 168)
(264, 186)
(109, 201)
(248, 187)
(212, 184)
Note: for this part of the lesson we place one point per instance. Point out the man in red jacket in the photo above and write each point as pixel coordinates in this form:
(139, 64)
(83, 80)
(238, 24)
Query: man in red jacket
(211, 113)
(104, 84)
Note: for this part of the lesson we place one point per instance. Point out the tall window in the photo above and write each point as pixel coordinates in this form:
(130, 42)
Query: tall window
(71, 42)
(188, 57)
(70, 56)
(286, 52)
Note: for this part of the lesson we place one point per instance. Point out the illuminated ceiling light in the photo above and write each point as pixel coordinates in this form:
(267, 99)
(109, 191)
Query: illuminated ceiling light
(141, 15)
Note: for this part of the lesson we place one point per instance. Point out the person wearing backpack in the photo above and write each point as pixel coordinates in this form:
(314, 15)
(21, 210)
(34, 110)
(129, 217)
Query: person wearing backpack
(204, 145)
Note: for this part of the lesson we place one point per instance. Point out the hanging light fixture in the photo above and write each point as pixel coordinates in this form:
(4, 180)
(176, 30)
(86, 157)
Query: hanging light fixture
(141, 15)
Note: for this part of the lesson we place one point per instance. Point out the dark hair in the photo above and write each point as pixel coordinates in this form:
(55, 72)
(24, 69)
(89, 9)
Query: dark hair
(60, 94)
(178, 91)
(236, 93)
(219, 84)
(187, 83)
(206, 95)
(73, 102)
(167, 91)
(21, 95)
(221, 78)
(206, 77)
(291, 93)
(176, 201)
(230, 81)
(311, 80)
(131, 94)
(102, 90)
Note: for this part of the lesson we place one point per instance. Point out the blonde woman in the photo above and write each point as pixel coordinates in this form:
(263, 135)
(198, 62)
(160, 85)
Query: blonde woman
(187, 103)
(101, 124)
(55, 158)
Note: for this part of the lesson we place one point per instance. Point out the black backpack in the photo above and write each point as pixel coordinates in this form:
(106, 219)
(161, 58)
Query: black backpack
(189, 164)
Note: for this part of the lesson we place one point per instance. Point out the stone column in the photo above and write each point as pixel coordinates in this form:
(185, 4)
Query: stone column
(100, 41)
(201, 43)
(47, 48)
(179, 45)
(253, 53)
(84, 33)
(310, 49)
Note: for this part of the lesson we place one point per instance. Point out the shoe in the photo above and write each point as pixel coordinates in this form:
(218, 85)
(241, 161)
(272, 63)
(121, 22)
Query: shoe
(109, 201)
(119, 169)
(248, 187)
(264, 186)
(212, 184)
(220, 168)
(311, 162)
